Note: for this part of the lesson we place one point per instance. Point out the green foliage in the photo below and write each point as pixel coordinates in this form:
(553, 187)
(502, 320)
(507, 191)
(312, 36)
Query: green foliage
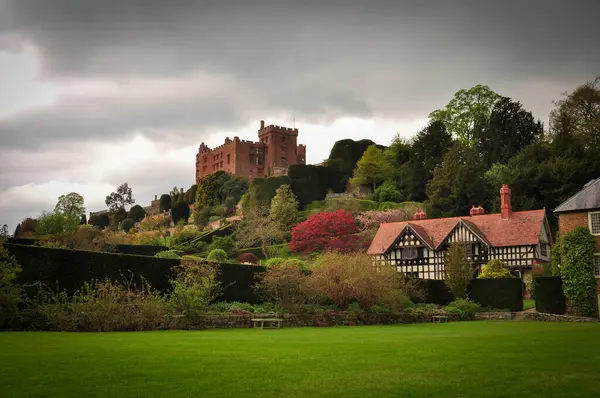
(136, 213)
(234, 188)
(372, 169)
(10, 292)
(119, 216)
(259, 228)
(274, 262)
(226, 243)
(556, 254)
(310, 183)
(506, 293)
(70, 204)
(342, 161)
(100, 220)
(284, 208)
(168, 254)
(464, 308)
(127, 224)
(387, 192)
(469, 108)
(458, 183)
(367, 205)
(207, 193)
(164, 202)
(237, 307)
(577, 271)
(549, 296)
(202, 216)
(494, 269)
(195, 286)
(56, 223)
(458, 272)
(121, 198)
(285, 285)
(217, 255)
(180, 212)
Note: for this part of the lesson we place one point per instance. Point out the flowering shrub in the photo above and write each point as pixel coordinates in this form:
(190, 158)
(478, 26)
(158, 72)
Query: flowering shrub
(316, 233)
(373, 219)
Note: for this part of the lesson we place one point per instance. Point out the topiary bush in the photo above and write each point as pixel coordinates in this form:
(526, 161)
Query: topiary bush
(217, 255)
(127, 224)
(577, 271)
(248, 258)
(168, 254)
(137, 213)
(494, 269)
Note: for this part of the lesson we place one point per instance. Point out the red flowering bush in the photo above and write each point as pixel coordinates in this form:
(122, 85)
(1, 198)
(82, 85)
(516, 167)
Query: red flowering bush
(323, 230)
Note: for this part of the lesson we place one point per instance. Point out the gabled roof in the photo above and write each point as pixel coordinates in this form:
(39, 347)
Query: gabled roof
(522, 228)
(586, 199)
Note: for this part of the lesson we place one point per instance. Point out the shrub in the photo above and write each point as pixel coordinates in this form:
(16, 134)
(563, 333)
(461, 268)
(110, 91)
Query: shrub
(387, 192)
(168, 254)
(287, 285)
(506, 293)
(247, 258)
(343, 278)
(577, 271)
(274, 262)
(458, 272)
(100, 220)
(349, 205)
(56, 223)
(464, 308)
(315, 234)
(127, 224)
(10, 292)
(217, 255)
(549, 297)
(106, 306)
(202, 216)
(165, 202)
(494, 269)
(225, 243)
(136, 213)
(180, 212)
(85, 238)
(194, 287)
(119, 216)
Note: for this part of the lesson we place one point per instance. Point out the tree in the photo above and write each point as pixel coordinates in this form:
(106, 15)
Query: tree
(207, 193)
(17, 231)
(127, 224)
(580, 112)
(71, 204)
(372, 168)
(100, 220)
(494, 269)
(136, 213)
(259, 227)
(217, 255)
(10, 292)
(458, 272)
(202, 216)
(165, 202)
(466, 110)
(286, 285)
(235, 187)
(387, 192)
(284, 208)
(458, 183)
(121, 198)
(577, 271)
(225, 243)
(510, 128)
(119, 216)
(56, 223)
(322, 229)
(156, 223)
(83, 220)
(180, 211)
(28, 226)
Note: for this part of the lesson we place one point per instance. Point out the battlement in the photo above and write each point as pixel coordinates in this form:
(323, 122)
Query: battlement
(273, 128)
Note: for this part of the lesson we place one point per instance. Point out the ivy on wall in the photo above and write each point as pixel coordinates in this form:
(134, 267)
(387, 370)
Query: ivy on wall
(577, 271)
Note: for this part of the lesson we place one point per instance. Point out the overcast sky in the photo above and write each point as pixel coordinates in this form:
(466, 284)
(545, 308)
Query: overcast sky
(95, 93)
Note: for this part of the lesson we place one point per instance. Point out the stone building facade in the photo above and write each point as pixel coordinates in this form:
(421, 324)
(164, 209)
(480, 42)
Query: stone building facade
(276, 150)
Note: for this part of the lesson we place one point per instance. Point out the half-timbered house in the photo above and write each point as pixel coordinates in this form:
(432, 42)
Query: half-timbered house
(520, 239)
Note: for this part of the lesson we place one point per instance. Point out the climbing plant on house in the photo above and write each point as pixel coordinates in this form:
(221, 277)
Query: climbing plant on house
(577, 271)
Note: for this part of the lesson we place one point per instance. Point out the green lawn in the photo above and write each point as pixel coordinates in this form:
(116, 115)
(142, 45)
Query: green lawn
(475, 359)
(527, 304)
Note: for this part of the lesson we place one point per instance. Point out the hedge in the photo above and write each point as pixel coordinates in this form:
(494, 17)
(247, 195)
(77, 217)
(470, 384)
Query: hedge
(505, 293)
(436, 292)
(549, 296)
(140, 250)
(22, 241)
(71, 268)
(257, 251)
(207, 236)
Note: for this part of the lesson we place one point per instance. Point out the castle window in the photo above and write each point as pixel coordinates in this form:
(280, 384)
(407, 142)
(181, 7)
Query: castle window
(221, 165)
(228, 158)
(251, 158)
(205, 159)
(283, 138)
(284, 149)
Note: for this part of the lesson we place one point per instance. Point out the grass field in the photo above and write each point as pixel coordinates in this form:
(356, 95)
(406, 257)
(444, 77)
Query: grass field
(527, 304)
(475, 359)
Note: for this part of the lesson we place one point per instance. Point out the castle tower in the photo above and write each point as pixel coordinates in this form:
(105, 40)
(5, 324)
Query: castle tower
(281, 148)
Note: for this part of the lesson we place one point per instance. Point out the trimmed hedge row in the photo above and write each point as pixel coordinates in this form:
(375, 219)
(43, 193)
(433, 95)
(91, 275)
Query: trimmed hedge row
(22, 241)
(140, 250)
(220, 232)
(496, 293)
(549, 296)
(69, 269)
(257, 251)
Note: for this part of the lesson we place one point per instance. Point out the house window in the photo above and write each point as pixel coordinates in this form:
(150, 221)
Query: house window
(597, 265)
(594, 222)
(412, 274)
(543, 249)
(410, 253)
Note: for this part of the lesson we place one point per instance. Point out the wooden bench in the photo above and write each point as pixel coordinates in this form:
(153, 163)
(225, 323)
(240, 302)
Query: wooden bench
(440, 318)
(271, 323)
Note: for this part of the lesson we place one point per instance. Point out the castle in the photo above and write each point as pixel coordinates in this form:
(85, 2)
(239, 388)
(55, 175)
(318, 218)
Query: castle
(276, 150)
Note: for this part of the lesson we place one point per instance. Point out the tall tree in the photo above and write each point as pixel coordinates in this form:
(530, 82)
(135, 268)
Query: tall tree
(136, 213)
(510, 128)
(71, 204)
(4, 231)
(56, 223)
(120, 198)
(259, 227)
(458, 183)
(458, 272)
(180, 211)
(373, 168)
(284, 208)
(165, 202)
(235, 187)
(468, 108)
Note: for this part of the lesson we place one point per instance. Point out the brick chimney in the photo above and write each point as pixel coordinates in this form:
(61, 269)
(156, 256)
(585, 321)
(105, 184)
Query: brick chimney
(262, 124)
(480, 210)
(420, 215)
(473, 211)
(505, 206)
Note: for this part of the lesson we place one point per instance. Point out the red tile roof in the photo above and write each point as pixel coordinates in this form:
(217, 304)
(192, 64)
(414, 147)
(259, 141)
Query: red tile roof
(522, 228)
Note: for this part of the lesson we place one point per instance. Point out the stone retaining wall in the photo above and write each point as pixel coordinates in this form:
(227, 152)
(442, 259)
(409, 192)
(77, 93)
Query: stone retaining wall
(540, 316)
(486, 316)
